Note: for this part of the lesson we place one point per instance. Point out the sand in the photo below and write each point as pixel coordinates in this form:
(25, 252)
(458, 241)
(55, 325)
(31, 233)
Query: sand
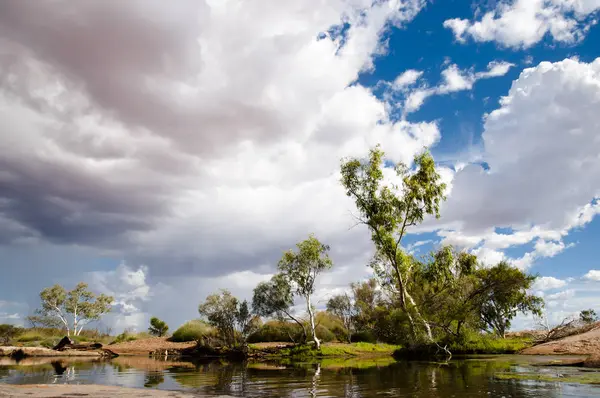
(82, 390)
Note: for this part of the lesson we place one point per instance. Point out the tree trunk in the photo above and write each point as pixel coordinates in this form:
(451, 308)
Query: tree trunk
(312, 323)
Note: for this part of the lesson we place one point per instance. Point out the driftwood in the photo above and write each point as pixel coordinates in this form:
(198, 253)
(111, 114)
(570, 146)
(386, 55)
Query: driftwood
(67, 344)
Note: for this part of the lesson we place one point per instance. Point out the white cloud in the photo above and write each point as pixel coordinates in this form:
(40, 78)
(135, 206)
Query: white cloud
(454, 79)
(523, 23)
(564, 295)
(192, 135)
(548, 283)
(593, 275)
(407, 78)
(542, 137)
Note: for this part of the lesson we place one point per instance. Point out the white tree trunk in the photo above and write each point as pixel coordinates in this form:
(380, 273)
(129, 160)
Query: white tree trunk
(312, 323)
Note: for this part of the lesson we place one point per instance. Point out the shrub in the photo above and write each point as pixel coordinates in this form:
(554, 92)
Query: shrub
(277, 331)
(324, 334)
(363, 337)
(29, 337)
(9, 332)
(124, 337)
(193, 331)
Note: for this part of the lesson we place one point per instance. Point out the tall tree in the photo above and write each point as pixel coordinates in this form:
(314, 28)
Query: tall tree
(389, 210)
(275, 298)
(505, 294)
(341, 306)
(75, 308)
(302, 267)
(157, 327)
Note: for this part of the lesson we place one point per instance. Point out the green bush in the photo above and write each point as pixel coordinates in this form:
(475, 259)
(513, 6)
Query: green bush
(124, 337)
(29, 337)
(192, 331)
(277, 331)
(324, 334)
(363, 337)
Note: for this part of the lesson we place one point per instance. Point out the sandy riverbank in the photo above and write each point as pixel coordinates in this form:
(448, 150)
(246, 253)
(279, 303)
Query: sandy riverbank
(587, 343)
(91, 390)
(46, 352)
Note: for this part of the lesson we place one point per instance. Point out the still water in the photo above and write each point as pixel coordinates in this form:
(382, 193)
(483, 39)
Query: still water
(473, 377)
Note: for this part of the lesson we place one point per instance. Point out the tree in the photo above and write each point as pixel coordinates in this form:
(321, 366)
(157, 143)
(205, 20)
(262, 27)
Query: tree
(341, 306)
(588, 316)
(40, 320)
(389, 210)
(9, 332)
(75, 308)
(301, 268)
(157, 327)
(275, 298)
(232, 319)
(504, 295)
(366, 299)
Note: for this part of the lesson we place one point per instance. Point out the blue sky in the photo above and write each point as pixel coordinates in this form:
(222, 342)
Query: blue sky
(175, 150)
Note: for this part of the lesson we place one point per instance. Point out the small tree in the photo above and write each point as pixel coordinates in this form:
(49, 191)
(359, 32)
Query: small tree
(341, 306)
(75, 308)
(232, 319)
(157, 327)
(275, 298)
(588, 316)
(301, 268)
(9, 332)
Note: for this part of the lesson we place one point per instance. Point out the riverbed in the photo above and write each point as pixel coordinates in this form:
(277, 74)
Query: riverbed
(489, 376)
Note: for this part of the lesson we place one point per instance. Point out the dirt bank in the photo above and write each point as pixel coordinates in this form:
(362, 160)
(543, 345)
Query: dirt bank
(587, 343)
(156, 345)
(96, 391)
(46, 352)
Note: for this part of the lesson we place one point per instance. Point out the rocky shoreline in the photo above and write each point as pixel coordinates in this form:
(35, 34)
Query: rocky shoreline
(92, 390)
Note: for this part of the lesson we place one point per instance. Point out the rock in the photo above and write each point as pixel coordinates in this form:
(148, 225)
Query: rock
(63, 343)
(593, 361)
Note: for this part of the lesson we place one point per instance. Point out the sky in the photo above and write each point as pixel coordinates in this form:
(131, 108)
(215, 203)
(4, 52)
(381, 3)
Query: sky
(161, 152)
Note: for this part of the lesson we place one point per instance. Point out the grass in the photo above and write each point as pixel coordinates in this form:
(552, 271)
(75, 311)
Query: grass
(49, 337)
(328, 350)
(475, 344)
(581, 378)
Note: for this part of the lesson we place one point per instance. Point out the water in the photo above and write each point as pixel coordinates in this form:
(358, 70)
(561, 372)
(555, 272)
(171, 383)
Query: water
(329, 378)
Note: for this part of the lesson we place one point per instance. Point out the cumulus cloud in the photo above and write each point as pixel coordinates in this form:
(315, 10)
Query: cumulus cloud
(454, 79)
(548, 283)
(194, 134)
(524, 23)
(592, 275)
(542, 136)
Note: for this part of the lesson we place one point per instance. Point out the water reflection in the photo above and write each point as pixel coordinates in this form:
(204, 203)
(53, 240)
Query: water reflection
(461, 378)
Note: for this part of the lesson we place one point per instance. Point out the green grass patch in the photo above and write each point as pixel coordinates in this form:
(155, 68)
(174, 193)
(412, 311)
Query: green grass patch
(329, 350)
(582, 378)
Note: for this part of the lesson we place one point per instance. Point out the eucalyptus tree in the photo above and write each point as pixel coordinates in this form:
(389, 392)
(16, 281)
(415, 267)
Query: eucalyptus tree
(276, 298)
(389, 209)
(341, 306)
(301, 267)
(75, 308)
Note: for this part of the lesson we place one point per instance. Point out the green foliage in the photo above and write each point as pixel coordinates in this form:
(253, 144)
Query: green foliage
(275, 298)
(388, 210)
(505, 295)
(157, 327)
(8, 333)
(588, 316)
(301, 268)
(279, 331)
(75, 308)
(364, 336)
(124, 337)
(341, 307)
(195, 330)
(232, 319)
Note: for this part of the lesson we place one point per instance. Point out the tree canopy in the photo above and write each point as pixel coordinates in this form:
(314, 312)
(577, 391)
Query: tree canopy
(75, 308)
